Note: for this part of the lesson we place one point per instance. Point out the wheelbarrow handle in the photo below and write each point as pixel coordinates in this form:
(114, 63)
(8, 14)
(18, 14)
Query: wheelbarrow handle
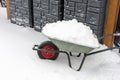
(35, 47)
(116, 34)
(108, 35)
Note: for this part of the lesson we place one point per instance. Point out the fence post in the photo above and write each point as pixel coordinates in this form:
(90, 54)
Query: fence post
(8, 9)
(111, 21)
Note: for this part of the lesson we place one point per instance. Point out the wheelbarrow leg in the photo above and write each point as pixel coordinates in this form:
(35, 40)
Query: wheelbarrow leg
(83, 60)
(69, 61)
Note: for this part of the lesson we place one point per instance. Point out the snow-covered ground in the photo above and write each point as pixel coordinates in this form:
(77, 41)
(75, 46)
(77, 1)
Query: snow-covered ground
(19, 62)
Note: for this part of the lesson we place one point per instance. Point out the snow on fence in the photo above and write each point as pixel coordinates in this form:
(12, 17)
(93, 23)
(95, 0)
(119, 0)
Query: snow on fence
(91, 12)
(21, 12)
(46, 11)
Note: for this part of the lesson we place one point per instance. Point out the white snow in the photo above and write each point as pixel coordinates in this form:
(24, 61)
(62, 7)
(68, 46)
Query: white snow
(19, 62)
(71, 31)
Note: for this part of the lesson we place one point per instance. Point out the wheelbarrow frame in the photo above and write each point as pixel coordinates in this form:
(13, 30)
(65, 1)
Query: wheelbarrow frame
(84, 54)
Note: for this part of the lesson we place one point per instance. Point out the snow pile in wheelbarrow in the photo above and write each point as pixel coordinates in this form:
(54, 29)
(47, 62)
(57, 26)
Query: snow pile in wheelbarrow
(71, 31)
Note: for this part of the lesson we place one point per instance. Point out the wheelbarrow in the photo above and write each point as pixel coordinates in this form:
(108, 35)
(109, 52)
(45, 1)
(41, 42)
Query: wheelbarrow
(51, 49)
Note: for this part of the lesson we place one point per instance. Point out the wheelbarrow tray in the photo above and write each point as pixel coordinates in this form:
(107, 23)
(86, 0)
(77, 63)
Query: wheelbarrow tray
(70, 47)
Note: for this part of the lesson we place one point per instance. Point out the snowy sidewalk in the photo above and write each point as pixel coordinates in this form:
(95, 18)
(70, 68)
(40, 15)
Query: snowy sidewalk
(20, 62)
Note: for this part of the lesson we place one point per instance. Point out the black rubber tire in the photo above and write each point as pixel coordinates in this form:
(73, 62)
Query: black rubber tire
(46, 43)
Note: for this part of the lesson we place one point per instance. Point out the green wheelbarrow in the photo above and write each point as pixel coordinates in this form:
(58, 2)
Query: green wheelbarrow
(51, 49)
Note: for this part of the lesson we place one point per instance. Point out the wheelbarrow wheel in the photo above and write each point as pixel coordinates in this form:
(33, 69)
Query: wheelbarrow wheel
(48, 45)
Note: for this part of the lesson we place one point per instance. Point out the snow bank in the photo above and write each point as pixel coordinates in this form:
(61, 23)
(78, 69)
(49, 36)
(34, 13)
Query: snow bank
(71, 31)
